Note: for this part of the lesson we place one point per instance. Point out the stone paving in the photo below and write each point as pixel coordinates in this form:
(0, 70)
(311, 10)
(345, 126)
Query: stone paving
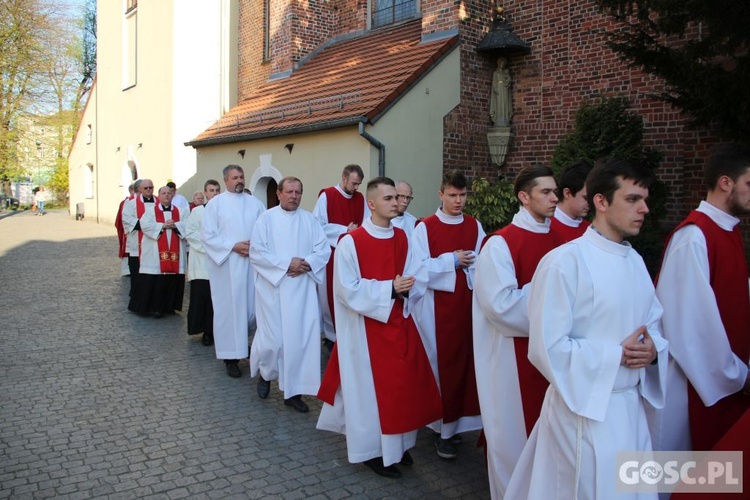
(96, 402)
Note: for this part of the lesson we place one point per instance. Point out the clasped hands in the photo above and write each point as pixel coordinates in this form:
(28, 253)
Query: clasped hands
(464, 258)
(638, 349)
(402, 285)
(298, 267)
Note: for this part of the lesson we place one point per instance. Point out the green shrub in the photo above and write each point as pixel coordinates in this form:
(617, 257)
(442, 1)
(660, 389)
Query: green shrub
(492, 204)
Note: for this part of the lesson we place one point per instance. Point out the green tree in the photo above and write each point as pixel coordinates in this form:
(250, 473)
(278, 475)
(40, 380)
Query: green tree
(492, 204)
(607, 128)
(700, 49)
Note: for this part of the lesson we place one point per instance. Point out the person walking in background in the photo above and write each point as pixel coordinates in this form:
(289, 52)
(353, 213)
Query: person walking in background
(40, 197)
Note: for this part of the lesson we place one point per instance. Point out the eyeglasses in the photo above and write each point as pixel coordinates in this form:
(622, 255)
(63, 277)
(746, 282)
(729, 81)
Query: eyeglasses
(148, 187)
(407, 198)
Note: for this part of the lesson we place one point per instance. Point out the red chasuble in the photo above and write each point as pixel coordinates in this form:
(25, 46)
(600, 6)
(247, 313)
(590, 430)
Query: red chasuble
(405, 388)
(728, 278)
(344, 211)
(169, 248)
(566, 232)
(453, 329)
(527, 249)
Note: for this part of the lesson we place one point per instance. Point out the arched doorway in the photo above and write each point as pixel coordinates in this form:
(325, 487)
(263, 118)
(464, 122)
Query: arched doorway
(272, 199)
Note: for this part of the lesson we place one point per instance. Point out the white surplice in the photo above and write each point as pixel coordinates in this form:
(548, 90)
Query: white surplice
(286, 345)
(355, 409)
(586, 297)
(333, 232)
(698, 341)
(228, 219)
(149, 244)
(197, 260)
(441, 275)
(129, 221)
(498, 315)
(405, 222)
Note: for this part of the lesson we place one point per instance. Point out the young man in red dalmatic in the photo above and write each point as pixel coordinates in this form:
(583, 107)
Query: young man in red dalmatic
(510, 389)
(572, 206)
(378, 388)
(703, 287)
(339, 209)
(447, 243)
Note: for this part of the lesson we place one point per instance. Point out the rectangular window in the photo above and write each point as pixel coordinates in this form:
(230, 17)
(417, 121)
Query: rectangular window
(129, 48)
(89, 134)
(385, 12)
(266, 30)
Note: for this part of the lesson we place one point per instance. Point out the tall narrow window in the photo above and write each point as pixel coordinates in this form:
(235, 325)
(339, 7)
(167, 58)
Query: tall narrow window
(386, 12)
(266, 30)
(130, 45)
(89, 133)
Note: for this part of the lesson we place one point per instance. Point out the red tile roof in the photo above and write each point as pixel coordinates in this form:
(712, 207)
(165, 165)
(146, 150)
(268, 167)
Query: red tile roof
(347, 82)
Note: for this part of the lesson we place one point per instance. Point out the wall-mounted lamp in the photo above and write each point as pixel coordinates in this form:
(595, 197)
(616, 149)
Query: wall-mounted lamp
(117, 149)
(241, 152)
(140, 145)
(289, 147)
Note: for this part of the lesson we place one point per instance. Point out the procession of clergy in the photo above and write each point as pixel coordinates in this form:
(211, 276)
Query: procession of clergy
(548, 335)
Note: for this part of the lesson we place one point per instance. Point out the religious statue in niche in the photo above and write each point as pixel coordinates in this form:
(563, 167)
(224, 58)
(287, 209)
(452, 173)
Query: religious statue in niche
(501, 111)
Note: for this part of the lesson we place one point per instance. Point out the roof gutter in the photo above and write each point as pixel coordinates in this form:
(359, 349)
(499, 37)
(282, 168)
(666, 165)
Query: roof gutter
(377, 144)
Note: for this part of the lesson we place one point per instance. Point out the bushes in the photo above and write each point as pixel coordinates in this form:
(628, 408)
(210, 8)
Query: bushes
(492, 204)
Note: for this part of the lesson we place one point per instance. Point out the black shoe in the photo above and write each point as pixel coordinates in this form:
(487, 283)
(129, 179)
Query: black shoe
(207, 339)
(158, 315)
(296, 403)
(233, 368)
(445, 449)
(457, 439)
(264, 387)
(406, 459)
(328, 344)
(376, 464)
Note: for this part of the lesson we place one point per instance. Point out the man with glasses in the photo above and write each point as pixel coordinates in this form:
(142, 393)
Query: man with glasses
(404, 219)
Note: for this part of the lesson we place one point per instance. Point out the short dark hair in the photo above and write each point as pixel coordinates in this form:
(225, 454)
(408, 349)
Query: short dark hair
(377, 181)
(731, 160)
(349, 169)
(286, 179)
(573, 178)
(229, 168)
(605, 177)
(454, 178)
(527, 177)
(211, 182)
(171, 185)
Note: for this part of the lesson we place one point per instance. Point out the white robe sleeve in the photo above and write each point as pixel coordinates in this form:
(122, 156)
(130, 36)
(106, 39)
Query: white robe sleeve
(265, 260)
(367, 297)
(193, 230)
(471, 270)
(691, 320)
(496, 289)
(319, 256)
(332, 231)
(218, 247)
(582, 369)
(441, 270)
(149, 226)
(181, 229)
(129, 216)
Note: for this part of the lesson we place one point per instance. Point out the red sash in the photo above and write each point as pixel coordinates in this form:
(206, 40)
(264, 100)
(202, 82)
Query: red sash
(169, 249)
(453, 329)
(527, 249)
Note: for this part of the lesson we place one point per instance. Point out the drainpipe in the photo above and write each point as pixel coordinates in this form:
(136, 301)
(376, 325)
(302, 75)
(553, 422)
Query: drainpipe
(377, 144)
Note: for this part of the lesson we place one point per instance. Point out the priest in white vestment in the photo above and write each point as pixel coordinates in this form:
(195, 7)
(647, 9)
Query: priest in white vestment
(289, 253)
(595, 335)
(228, 223)
(404, 219)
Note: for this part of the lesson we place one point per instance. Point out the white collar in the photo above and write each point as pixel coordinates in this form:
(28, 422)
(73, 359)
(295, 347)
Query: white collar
(525, 220)
(381, 233)
(344, 193)
(719, 216)
(609, 246)
(566, 219)
(449, 219)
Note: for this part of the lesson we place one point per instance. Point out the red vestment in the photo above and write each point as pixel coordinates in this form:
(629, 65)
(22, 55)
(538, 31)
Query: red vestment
(566, 232)
(728, 279)
(343, 211)
(453, 327)
(527, 249)
(405, 388)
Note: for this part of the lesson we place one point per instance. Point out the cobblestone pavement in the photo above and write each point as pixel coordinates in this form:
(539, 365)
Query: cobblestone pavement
(96, 402)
